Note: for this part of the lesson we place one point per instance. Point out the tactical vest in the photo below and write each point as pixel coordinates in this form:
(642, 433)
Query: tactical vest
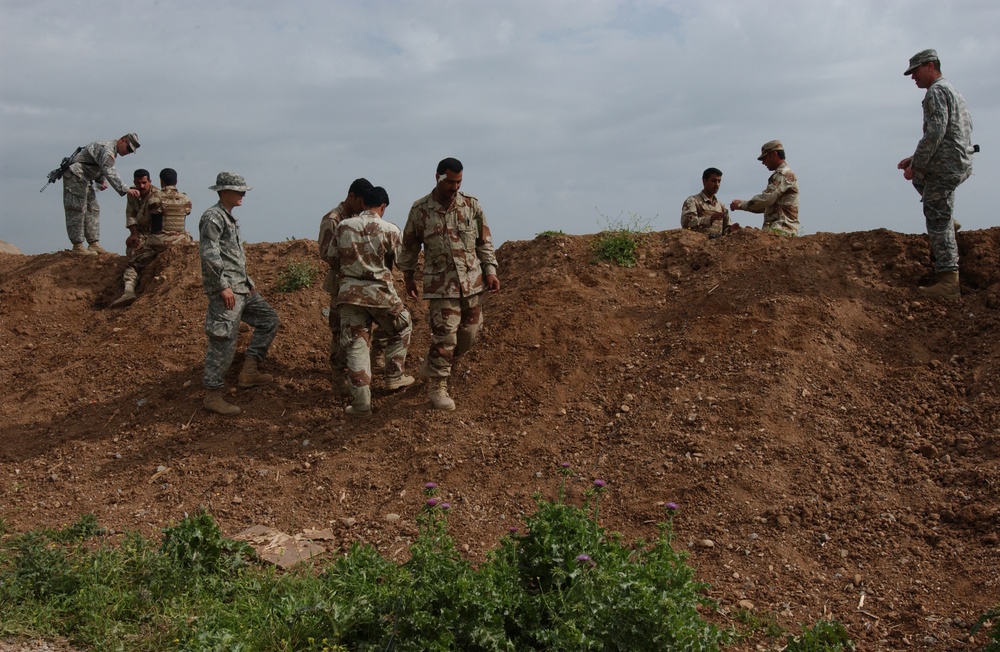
(175, 211)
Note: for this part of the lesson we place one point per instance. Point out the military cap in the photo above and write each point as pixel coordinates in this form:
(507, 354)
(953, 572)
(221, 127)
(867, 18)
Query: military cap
(768, 147)
(131, 142)
(920, 58)
(230, 181)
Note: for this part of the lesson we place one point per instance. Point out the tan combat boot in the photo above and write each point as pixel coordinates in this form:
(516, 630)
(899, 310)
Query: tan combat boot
(249, 376)
(358, 413)
(97, 248)
(946, 287)
(399, 382)
(79, 250)
(215, 403)
(437, 392)
(127, 297)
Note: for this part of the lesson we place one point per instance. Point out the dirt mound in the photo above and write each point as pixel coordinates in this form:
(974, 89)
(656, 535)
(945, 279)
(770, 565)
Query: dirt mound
(831, 439)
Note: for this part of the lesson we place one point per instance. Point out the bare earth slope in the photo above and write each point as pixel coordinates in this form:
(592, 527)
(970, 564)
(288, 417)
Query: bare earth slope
(833, 437)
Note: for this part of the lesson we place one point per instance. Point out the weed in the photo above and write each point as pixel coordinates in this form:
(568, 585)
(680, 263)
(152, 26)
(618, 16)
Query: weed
(619, 241)
(990, 616)
(297, 274)
(549, 234)
(824, 636)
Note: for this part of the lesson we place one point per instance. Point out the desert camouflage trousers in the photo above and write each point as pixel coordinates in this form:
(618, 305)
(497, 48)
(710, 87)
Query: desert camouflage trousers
(83, 213)
(939, 208)
(223, 328)
(355, 339)
(152, 246)
(455, 327)
(338, 359)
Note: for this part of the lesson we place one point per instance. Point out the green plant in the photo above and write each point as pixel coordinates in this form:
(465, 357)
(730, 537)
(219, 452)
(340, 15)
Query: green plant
(991, 615)
(196, 544)
(620, 239)
(767, 623)
(824, 636)
(549, 234)
(296, 275)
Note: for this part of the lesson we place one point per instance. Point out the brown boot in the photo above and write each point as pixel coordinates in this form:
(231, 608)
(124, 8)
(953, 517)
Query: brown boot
(399, 382)
(946, 287)
(127, 297)
(437, 392)
(79, 250)
(358, 413)
(215, 403)
(97, 248)
(249, 376)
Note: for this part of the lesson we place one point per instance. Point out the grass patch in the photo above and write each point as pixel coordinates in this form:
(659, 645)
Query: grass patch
(619, 241)
(549, 234)
(296, 275)
(824, 636)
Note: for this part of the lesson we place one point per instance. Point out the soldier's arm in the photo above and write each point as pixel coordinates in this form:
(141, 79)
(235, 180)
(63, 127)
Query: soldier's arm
(484, 244)
(209, 232)
(106, 160)
(776, 187)
(689, 214)
(409, 251)
(935, 125)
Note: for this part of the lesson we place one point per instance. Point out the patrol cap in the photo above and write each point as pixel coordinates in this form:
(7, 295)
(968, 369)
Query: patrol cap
(920, 58)
(230, 181)
(768, 147)
(131, 142)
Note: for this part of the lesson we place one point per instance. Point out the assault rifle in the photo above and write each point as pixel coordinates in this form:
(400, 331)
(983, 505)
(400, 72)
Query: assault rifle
(58, 173)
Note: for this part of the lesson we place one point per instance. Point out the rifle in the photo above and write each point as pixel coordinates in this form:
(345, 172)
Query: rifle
(58, 173)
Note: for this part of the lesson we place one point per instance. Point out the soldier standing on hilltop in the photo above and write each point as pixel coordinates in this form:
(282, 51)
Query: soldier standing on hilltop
(232, 297)
(458, 256)
(941, 162)
(704, 212)
(93, 164)
(780, 200)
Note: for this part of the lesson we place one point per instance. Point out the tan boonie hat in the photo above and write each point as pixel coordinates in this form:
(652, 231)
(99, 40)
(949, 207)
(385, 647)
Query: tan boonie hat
(230, 181)
(768, 147)
(920, 58)
(131, 142)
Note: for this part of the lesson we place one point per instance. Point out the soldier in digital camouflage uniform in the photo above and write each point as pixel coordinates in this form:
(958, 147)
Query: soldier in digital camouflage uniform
(941, 162)
(165, 212)
(93, 165)
(136, 213)
(459, 262)
(350, 207)
(231, 297)
(363, 252)
(704, 212)
(780, 200)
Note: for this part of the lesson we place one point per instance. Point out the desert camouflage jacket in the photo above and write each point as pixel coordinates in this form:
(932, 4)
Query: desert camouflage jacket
(136, 209)
(223, 261)
(96, 162)
(458, 247)
(363, 251)
(779, 202)
(169, 210)
(944, 152)
(697, 212)
(327, 228)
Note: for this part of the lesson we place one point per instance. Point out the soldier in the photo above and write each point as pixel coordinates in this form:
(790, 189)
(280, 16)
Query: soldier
(941, 162)
(458, 254)
(165, 213)
(704, 212)
(231, 297)
(780, 200)
(136, 215)
(94, 164)
(350, 207)
(362, 254)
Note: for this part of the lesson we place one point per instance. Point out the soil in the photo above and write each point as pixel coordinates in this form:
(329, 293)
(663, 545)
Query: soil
(830, 436)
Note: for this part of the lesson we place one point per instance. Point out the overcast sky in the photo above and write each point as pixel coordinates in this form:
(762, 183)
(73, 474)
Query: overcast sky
(563, 111)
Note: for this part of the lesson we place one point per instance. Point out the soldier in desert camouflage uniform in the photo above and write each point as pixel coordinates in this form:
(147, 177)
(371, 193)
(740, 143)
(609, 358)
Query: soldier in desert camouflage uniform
(780, 200)
(136, 213)
(363, 251)
(231, 297)
(350, 207)
(941, 162)
(94, 164)
(165, 213)
(704, 212)
(458, 256)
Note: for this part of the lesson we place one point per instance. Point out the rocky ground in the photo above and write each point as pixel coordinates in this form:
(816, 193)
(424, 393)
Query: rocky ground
(831, 438)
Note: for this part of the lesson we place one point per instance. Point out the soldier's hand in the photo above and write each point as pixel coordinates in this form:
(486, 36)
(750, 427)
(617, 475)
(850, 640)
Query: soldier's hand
(411, 289)
(132, 241)
(104, 186)
(131, 192)
(736, 205)
(228, 298)
(493, 283)
(908, 174)
(716, 217)
(905, 163)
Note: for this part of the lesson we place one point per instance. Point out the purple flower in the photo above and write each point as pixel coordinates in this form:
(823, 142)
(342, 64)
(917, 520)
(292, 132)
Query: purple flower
(431, 502)
(583, 558)
(445, 505)
(671, 506)
(430, 485)
(599, 483)
(565, 465)
(512, 530)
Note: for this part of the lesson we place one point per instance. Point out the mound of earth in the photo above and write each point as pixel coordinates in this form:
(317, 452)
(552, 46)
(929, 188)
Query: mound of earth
(830, 437)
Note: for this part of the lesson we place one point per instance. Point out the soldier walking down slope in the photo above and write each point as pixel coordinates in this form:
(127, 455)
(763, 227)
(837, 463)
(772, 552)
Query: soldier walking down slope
(780, 200)
(232, 297)
(941, 162)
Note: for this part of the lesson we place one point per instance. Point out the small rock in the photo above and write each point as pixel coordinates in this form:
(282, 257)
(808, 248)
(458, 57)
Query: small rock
(561, 412)
(746, 604)
(857, 246)
(392, 517)
(857, 579)
(349, 521)
(706, 543)
(237, 500)
(625, 408)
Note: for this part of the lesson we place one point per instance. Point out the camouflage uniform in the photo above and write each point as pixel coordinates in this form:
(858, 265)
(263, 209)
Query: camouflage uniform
(94, 163)
(362, 254)
(327, 229)
(941, 162)
(165, 215)
(697, 212)
(223, 265)
(779, 202)
(458, 254)
(137, 215)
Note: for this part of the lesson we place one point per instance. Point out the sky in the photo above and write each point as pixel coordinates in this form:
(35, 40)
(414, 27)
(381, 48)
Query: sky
(568, 115)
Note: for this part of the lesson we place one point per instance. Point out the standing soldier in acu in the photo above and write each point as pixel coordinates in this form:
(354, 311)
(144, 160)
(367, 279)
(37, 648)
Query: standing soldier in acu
(459, 262)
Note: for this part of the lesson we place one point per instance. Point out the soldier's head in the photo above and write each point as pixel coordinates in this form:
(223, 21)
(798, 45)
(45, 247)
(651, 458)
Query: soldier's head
(231, 188)
(141, 181)
(127, 144)
(168, 177)
(924, 68)
(711, 181)
(772, 154)
(376, 199)
(449, 180)
(355, 196)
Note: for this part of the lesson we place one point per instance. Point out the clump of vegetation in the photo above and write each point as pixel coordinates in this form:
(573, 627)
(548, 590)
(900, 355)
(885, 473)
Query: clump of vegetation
(824, 636)
(297, 274)
(619, 241)
(991, 616)
(549, 234)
